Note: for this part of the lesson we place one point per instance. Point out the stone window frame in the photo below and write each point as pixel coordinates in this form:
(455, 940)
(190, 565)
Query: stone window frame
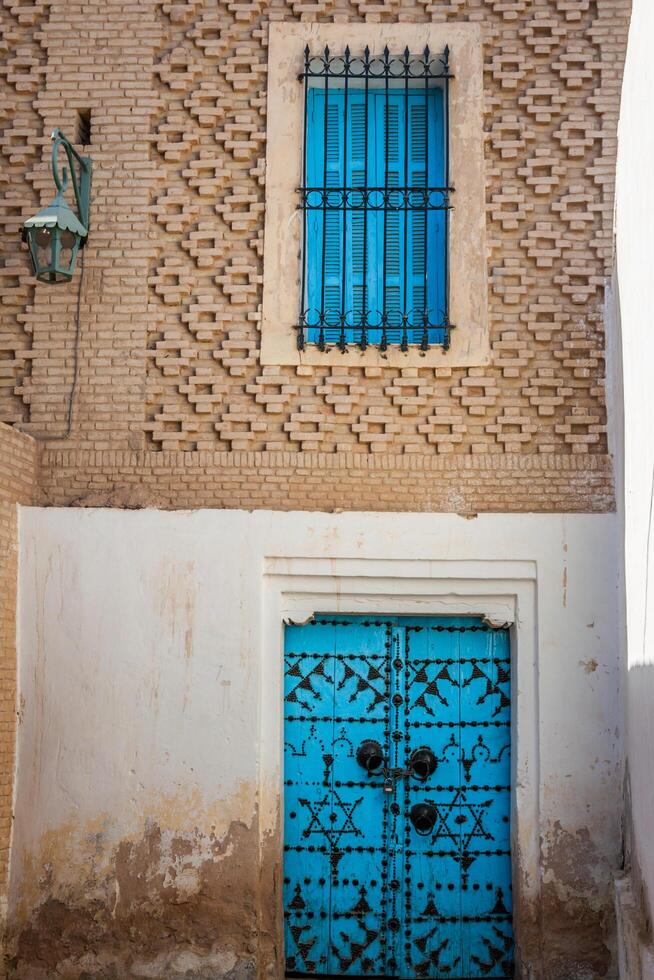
(468, 300)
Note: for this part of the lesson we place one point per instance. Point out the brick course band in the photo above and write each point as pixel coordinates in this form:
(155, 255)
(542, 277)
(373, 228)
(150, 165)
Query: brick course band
(328, 481)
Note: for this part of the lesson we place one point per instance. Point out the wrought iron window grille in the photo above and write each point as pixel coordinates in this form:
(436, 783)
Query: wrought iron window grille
(396, 207)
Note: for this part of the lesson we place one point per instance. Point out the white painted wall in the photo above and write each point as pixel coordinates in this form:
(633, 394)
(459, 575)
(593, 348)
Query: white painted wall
(138, 680)
(635, 261)
(149, 661)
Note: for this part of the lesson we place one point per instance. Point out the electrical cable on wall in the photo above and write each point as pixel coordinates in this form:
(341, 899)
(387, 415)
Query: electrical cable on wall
(57, 436)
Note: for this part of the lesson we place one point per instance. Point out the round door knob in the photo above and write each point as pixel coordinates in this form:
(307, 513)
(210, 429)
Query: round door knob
(370, 755)
(423, 817)
(422, 763)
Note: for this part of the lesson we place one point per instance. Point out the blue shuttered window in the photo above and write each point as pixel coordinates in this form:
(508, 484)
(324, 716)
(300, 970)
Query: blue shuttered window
(375, 200)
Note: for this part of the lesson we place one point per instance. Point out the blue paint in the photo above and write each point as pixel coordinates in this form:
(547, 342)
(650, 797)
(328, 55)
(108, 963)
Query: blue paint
(364, 892)
(329, 166)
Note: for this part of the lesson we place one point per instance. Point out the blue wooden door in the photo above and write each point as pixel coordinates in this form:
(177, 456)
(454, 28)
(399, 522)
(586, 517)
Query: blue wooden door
(397, 798)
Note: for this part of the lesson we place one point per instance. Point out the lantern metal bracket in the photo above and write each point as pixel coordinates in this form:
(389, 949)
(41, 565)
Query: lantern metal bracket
(81, 185)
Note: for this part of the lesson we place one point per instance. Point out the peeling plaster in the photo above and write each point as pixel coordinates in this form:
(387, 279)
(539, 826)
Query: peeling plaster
(161, 903)
(577, 907)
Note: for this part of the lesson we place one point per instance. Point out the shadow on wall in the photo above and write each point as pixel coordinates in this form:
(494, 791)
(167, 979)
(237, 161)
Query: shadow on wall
(639, 795)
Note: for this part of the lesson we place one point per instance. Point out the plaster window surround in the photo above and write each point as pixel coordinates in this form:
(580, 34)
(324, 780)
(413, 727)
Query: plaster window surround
(467, 301)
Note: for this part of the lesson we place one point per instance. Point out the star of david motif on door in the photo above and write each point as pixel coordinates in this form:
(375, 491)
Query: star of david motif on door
(331, 819)
(391, 871)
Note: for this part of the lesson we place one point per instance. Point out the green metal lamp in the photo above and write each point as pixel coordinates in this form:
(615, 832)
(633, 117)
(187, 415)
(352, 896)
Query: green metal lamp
(56, 234)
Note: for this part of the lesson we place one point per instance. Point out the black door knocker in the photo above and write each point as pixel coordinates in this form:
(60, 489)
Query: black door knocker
(370, 755)
(422, 763)
(423, 817)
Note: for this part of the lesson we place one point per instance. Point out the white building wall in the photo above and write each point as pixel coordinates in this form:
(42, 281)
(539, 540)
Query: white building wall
(633, 283)
(148, 779)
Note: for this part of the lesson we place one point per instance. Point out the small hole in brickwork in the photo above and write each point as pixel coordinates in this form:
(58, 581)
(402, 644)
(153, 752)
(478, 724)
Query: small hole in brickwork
(83, 127)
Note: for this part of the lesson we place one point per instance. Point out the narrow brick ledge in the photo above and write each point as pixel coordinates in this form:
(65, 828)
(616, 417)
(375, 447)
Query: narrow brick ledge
(323, 481)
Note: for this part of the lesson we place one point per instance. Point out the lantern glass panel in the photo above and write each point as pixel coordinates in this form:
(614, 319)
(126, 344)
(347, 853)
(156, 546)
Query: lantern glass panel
(68, 244)
(54, 251)
(44, 241)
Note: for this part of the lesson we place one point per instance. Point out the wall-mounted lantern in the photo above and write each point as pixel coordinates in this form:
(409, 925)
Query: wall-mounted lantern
(56, 234)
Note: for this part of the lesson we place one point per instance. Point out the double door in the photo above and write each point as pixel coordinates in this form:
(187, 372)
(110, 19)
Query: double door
(397, 798)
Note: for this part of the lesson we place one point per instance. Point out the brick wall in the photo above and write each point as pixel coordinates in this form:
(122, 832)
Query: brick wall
(18, 480)
(327, 481)
(172, 288)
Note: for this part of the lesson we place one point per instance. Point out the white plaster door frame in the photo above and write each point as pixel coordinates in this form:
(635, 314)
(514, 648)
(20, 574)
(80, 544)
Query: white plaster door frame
(503, 592)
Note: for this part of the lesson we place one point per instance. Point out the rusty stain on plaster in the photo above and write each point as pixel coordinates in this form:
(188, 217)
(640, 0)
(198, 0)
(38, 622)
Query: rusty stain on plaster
(177, 594)
(590, 666)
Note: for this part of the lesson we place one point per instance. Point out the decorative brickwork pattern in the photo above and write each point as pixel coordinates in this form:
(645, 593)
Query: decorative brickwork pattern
(18, 481)
(86, 55)
(172, 288)
(22, 74)
(551, 92)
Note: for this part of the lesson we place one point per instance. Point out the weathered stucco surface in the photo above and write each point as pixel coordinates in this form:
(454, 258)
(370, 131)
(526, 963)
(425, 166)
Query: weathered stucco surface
(173, 903)
(577, 908)
(146, 838)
